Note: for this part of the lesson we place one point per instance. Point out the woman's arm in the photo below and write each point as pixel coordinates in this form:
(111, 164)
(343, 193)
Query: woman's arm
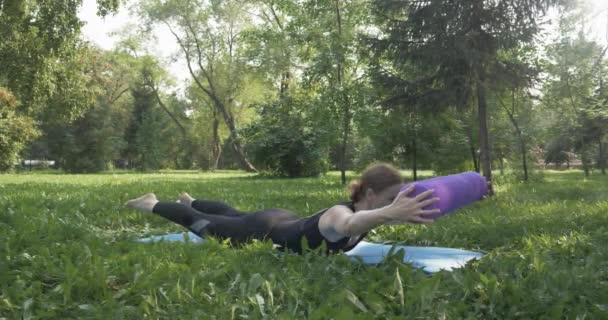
(340, 221)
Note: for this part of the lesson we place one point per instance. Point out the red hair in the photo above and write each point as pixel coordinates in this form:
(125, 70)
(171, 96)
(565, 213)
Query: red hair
(377, 177)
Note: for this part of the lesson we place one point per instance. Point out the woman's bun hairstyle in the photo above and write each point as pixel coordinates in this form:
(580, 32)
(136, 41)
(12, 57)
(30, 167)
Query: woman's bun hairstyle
(377, 177)
(355, 190)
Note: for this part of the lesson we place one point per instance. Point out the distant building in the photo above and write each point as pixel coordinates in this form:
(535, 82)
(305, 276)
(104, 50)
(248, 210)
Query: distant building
(38, 163)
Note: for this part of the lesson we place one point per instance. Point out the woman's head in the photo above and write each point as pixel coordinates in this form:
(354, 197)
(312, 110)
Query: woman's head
(379, 185)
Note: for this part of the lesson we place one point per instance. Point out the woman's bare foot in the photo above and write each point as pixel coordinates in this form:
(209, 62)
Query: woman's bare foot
(143, 203)
(185, 199)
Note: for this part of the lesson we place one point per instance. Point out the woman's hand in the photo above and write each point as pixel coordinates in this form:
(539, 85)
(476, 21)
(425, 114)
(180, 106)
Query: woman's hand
(409, 210)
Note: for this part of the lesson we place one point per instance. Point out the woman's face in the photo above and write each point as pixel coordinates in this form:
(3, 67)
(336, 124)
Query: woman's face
(382, 198)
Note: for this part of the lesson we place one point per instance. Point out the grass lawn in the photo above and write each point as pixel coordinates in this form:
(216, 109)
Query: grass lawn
(67, 252)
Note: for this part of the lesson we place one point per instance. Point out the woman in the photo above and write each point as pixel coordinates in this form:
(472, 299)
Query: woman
(375, 201)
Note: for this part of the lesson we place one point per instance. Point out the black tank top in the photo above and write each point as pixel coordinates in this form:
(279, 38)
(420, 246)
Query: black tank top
(293, 233)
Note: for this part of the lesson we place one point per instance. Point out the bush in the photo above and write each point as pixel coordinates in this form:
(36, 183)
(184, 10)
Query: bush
(285, 141)
(15, 130)
(149, 139)
(452, 154)
(366, 153)
(88, 144)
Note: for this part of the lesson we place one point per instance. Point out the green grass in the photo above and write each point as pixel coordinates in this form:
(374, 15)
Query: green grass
(67, 252)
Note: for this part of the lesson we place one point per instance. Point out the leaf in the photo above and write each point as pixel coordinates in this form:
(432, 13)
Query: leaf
(399, 288)
(261, 303)
(603, 307)
(269, 291)
(87, 307)
(484, 278)
(255, 282)
(27, 309)
(355, 300)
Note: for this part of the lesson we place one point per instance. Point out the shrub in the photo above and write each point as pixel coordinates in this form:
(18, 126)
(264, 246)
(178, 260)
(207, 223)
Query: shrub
(15, 130)
(285, 141)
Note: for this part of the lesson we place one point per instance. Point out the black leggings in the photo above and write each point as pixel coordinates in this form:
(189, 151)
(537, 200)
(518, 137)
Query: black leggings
(223, 221)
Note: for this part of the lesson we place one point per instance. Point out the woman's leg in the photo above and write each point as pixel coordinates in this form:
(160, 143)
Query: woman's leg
(235, 228)
(239, 229)
(209, 206)
(216, 207)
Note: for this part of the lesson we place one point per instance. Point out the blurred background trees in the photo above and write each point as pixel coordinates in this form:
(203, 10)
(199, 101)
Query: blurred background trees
(297, 88)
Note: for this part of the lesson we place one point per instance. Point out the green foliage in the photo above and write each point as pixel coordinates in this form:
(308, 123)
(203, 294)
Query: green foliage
(37, 40)
(91, 143)
(149, 138)
(92, 138)
(437, 54)
(556, 152)
(365, 153)
(437, 141)
(452, 155)
(211, 37)
(69, 252)
(285, 141)
(386, 80)
(575, 97)
(16, 131)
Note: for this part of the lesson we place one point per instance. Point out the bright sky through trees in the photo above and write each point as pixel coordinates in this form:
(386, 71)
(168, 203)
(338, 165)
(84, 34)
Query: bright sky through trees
(99, 30)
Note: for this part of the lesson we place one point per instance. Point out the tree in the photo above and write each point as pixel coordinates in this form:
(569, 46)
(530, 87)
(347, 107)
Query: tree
(335, 67)
(149, 131)
(209, 138)
(36, 39)
(210, 38)
(42, 58)
(511, 110)
(599, 114)
(276, 46)
(90, 140)
(287, 140)
(454, 46)
(15, 130)
(574, 90)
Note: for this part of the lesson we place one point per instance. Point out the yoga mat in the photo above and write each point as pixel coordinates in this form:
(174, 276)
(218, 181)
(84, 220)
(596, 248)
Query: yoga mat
(429, 259)
(454, 191)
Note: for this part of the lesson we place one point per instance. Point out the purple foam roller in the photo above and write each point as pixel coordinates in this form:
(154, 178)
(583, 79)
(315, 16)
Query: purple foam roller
(454, 191)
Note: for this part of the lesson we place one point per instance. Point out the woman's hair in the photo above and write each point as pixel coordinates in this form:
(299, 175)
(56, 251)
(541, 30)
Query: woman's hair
(377, 177)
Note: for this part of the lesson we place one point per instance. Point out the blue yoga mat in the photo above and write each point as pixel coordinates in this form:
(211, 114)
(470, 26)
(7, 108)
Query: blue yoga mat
(429, 259)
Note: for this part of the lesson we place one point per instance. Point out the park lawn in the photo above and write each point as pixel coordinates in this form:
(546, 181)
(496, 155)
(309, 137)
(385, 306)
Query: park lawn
(67, 251)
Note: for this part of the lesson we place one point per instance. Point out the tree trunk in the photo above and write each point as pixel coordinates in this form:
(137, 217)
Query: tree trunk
(344, 144)
(215, 143)
(522, 142)
(185, 142)
(414, 147)
(181, 128)
(285, 81)
(469, 133)
(502, 165)
(602, 159)
(524, 159)
(414, 158)
(345, 104)
(236, 143)
(483, 127)
(212, 94)
(234, 137)
(584, 162)
(474, 157)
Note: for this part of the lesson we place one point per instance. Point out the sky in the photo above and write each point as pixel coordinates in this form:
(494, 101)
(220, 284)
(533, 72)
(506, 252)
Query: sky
(98, 30)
